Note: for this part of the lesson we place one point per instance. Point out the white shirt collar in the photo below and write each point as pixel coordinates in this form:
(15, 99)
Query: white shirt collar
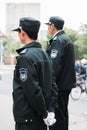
(56, 33)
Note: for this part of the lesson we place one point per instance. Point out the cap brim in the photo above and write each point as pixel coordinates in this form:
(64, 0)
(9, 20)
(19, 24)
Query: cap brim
(17, 29)
(49, 23)
(46, 23)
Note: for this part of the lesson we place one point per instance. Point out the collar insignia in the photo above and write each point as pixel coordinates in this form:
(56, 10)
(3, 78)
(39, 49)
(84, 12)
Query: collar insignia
(55, 38)
(23, 51)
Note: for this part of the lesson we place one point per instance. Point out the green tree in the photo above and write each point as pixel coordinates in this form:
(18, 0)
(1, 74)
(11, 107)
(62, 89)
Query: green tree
(79, 40)
(72, 34)
(10, 47)
(81, 44)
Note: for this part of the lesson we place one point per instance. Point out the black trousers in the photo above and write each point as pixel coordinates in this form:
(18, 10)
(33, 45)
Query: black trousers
(31, 126)
(62, 111)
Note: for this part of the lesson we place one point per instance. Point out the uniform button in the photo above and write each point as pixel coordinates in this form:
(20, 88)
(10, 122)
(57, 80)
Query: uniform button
(31, 120)
(26, 120)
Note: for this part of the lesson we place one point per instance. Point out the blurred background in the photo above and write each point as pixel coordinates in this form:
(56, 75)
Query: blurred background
(74, 14)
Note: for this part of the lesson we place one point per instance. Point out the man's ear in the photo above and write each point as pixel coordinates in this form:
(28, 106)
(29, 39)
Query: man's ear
(52, 25)
(23, 32)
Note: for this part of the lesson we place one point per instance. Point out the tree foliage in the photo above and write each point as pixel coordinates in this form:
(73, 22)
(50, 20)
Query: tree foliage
(79, 40)
(10, 47)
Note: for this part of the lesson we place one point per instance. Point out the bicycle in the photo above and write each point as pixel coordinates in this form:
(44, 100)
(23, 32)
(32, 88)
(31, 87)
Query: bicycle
(81, 86)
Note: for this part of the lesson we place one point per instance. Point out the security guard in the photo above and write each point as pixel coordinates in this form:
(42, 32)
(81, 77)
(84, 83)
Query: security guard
(61, 51)
(34, 87)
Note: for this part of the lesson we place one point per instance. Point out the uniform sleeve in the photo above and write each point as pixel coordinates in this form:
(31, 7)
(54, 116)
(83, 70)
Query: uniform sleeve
(31, 87)
(69, 64)
(54, 95)
(54, 90)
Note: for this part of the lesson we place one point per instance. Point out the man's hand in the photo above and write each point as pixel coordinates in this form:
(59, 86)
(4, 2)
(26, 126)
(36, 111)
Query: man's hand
(50, 120)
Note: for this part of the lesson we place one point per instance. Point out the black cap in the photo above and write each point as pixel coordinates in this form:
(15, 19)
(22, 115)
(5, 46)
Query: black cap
(28, 24)
(57, 21)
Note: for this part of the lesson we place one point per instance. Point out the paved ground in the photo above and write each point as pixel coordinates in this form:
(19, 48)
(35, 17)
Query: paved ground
(6, 117)
(78, 114)
(77, 109)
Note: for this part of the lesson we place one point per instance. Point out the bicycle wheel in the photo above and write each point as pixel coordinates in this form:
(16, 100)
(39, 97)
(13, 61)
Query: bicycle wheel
(76, 93)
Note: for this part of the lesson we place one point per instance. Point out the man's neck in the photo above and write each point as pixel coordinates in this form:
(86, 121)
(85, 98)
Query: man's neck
(56, 33)
(28, 41)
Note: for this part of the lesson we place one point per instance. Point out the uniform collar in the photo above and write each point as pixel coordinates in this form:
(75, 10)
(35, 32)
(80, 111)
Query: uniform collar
(30, 45)
(55, 35)
(58, 32)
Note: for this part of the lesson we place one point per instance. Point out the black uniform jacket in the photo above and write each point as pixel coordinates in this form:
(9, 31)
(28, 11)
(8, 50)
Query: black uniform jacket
(34, 88)
(61, 51)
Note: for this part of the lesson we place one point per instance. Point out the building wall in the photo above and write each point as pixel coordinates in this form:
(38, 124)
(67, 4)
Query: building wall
(14, 11)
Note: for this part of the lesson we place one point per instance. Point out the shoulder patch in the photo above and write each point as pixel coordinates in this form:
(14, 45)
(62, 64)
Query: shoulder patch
(54, 53)
(23, 74)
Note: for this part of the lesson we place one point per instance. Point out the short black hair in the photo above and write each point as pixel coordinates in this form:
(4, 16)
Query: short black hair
(31, 34)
